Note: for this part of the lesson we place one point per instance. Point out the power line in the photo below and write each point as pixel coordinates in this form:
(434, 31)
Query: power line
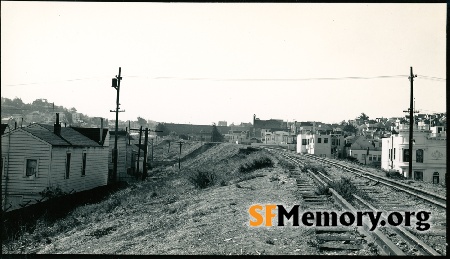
(50, 82)
(239, 79)
(282, 79)
(432, 78)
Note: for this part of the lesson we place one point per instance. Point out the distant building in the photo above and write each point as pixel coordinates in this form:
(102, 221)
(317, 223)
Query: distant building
(324, 145)
(262, 126)
(428, 154)
(222, 123)
(238, 136)
(366, 150)
(76, 117)
(198, 132)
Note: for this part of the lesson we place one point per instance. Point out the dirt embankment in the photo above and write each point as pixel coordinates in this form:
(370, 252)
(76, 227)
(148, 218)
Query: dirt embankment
(166, 214)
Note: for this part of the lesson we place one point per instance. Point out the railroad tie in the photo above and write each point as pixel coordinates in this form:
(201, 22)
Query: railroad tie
(337, 239)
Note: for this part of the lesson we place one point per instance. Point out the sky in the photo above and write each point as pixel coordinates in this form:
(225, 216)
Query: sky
(201, 63)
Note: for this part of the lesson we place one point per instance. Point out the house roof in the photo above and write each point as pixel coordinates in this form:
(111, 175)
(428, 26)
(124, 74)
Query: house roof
(269, 124)
(362, 143)
(68, 137)
(3, 128)
(305, 123)
(92, 133)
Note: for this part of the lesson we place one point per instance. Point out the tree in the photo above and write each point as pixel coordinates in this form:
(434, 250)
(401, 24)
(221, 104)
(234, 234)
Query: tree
(363, 117)
(215, 134)
(141, 121)
(163, 128)
(350, 128)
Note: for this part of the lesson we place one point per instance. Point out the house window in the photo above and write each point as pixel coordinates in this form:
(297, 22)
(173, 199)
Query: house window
(370, 158)
(83, 166)
(436, 177)
(67, 165)
(418, 175)
(303, 141)
(419, 155)
(405, 155)
(319, 140)
(31, 167)
(394, 153)
(325, 140)
(379, 158)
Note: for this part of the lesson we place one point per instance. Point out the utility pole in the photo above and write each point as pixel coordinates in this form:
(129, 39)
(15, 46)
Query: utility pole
(411, 122)
(116, 85)
(151, 165)
(179, 155)
(139, 150)
(144, 166)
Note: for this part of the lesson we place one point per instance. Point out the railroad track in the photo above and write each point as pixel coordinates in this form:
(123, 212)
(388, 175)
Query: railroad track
(429, 197)
(383, 241)
(342, 238)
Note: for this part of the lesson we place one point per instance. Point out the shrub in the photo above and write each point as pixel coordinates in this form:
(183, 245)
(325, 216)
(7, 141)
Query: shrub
(395, 175)
(314, 168)
(52, 192)
(322, 190)
(286, 164)
(351, 159)
(346, 189)
(255, 164)
(202, 179)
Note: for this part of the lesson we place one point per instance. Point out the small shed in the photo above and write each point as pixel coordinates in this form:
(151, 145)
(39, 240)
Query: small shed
(40, 156)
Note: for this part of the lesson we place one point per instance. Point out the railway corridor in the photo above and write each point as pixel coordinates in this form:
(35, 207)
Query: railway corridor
(315, 178)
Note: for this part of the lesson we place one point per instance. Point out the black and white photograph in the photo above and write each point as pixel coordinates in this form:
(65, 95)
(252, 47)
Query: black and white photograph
(168, 128)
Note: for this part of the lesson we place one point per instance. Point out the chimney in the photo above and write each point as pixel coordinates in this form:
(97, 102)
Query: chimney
(101, 131)
(57, 126)
(15, 124)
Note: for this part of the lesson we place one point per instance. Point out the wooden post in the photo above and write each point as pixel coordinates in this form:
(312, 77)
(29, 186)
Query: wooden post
(144, 166)
(139, 150)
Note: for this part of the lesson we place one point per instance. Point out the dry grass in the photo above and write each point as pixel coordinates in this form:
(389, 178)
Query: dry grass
(167, 214)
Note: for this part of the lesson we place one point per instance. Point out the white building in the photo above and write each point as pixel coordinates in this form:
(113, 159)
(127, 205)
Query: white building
(429, 152)
(324, 145)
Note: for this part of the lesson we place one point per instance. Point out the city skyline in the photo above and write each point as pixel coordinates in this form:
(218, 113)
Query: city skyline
(202, 63)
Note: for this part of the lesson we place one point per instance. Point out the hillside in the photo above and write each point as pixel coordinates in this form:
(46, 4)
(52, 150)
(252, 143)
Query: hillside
(168, 214)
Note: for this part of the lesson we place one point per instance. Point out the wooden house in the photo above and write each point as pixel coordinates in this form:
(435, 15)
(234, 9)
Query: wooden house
(40, 156)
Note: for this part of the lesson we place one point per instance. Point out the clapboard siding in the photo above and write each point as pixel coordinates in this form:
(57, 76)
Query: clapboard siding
(96, 168)
(51, 167)
(24, 146)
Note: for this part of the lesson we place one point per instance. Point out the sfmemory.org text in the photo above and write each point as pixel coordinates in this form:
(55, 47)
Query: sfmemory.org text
(263, 215)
